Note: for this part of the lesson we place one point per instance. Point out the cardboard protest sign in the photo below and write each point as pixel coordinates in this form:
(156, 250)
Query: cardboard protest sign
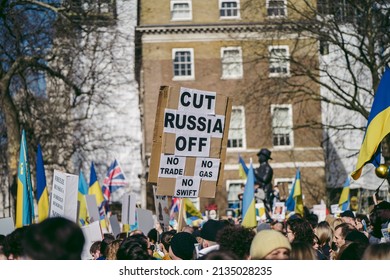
(6, 225)
(189, 142)
(64, 196)
(320, 211)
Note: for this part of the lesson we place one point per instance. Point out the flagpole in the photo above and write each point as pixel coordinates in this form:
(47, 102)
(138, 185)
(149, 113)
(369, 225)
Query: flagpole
(181, 214)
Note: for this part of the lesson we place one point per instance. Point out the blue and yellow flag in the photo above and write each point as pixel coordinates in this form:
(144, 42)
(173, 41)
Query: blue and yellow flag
(248, 201)
(378, 126)
(297, 195)
(94, 188)
(24, 196)
(294, 201)
(191, 213)
(344, 200)
(83, 191)
(242, 168)
(42, 193)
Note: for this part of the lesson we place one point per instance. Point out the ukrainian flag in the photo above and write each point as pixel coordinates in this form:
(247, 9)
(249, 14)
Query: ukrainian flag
(24, 196)
(378, 126)
(83, 191)
(344, 200)
(42, 193)
(242, 168)
(294, 201)
(248, 201)
(190, 211)
(94, 189)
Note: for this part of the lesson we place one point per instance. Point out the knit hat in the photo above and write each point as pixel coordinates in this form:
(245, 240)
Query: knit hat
(266, 241)
(182, 245)
(210, 229)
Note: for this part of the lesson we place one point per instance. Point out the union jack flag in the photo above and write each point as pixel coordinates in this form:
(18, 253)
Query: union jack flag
(115, 179)
(175, 207)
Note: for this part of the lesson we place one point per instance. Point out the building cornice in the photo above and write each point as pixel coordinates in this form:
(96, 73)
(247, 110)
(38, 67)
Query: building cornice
(215, 28)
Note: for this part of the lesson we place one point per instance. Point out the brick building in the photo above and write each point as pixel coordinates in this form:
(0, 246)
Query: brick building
(244, 50)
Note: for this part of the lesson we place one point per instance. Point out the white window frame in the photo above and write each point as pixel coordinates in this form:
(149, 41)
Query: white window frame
(277, 16)
(173, 2)
(238, 16)
(242, 126)
(183, 78)
(225, 74)
(284, 62)
(289, 125)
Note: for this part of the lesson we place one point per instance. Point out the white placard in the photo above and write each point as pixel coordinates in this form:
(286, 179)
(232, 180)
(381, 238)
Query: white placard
(162, 208)
(279, 211)
(192, 145)
(171, 166)
(320, 211)
(115, 226)
(91, 233)
(335, 209)
(64, 196)
(145, 220)
(199, 124)
(93, 210)
(6, 225)
(128, 209)
(207, 168)
(187, 186)
(194, 100)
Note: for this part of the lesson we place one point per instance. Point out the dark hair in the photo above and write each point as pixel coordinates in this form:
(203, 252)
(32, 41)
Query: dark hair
(219, 255)
(153, 235)
(302, 230)
(345, 229)
(236, 239)
(134, 247)
(54, 239)
(12, 244)
(95, 246)
(166, 238)
(108, 238)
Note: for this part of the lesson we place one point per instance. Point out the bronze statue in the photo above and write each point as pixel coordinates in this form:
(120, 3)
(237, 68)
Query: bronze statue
(263, 178)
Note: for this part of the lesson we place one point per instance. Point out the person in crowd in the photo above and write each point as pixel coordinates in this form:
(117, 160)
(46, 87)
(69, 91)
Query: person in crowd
(166, 238)
(299, 229)
(208, 233)
(379, 218)
(134, 247)
(313, 220)
(378, 251)
(94, 250)
(220, 255)
(270, 244)
(54, 239)
(302, 251)
(362, 223)
(316, 247)
(348, 217)
(182, 246)
(325, 238)
(12, 246)
(107, 239)
(276, 225)
(341, 232)
(355, 244)
(236, 239)
(112, 249)
(2, 255)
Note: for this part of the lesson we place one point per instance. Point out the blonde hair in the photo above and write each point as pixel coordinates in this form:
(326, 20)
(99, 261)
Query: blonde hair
(336, 222)
(302, 251)
(112, 248)
(324, 233)
(380, 251)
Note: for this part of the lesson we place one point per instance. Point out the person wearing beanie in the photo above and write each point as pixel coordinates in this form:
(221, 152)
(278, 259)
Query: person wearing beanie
(270, 244)
(182, 246)
(208, 233)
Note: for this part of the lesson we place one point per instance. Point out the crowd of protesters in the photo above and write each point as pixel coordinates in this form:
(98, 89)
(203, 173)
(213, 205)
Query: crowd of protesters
(347, 237)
